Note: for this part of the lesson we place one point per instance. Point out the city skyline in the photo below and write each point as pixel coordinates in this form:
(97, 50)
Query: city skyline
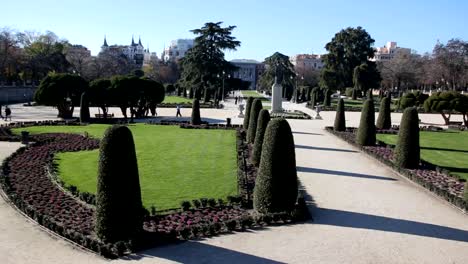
(262, 27)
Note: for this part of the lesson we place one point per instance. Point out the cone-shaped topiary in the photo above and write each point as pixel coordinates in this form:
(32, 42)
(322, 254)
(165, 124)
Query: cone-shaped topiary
(327, 99)
(354, 94)
(276, 183)
(407, 151)
(191, 93)
(465, 193)
(263, 119)
(119, 211)
(206, 96)
(84, 109)
(247, 112)
(195, 120)
(384, 121)
(254, 111)
(340, 121)
(185, 92)
(366, 131)
(370, 95)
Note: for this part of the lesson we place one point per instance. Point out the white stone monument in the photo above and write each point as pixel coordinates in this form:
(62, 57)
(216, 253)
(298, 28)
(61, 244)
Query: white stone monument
(277, 97)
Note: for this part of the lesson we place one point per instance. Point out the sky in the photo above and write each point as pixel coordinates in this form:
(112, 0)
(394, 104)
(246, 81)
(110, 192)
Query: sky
(263, 26)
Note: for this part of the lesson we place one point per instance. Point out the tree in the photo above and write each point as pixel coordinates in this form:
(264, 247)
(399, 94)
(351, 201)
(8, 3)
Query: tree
(84, 109)
(276, 183)
(461, 105)
(263, 119)
(195, 120)
(205, 61)
(254, 111)
(247, 113)
(366, 131)
(366, 76)
(340, 121)
(327, 100)
(401, 71)
(349, 48)
(122, 93)
(384, 120)
(62, 91)
(119, 210)
(453, 60)
(278, 65)
(10, 55)
(412, 99)
(443, 103)
(407, 150)
(99, 94)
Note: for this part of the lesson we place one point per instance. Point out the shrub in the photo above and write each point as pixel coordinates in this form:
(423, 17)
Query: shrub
(118, 204)
(191, 93)
(349, 92)
(254, 111)
(276, 183)
(465, 193)
(247, 112)
(366, 132)
(407, 152)
(340, 121)
(354, 94)
(384, 121)
(327, 101)
(263, 119)
(185, 205)
(370, 95)
(412, 99)
(84, 109)
(195, 120)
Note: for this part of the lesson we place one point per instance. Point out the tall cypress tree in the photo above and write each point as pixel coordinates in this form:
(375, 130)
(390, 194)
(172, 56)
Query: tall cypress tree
(263, 119)
(366, 131)
(340, 121)
(407, 150)
(254, 111)
(384, 121)
(247, 113)
(84, 109)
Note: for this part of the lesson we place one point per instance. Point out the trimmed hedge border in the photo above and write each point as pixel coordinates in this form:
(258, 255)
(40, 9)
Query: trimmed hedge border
(451, 190)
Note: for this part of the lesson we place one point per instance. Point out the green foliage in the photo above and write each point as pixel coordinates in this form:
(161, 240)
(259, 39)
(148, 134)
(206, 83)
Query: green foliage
(412, 99)
(254, 111)
(327, 100)
(191, 93)
(170, 88)
(340, 121)
(407, 150)
(84, 109)
(443, 103)
(384, 121)
(98, 94)
(247, 113)
(263, 119)
(366, 131)
(354, 94)
(280, 66)
(119, 211)
(276, 183)
(370, 95)
(366, 76)
(195, 120)
(465, 192)
(349, 92)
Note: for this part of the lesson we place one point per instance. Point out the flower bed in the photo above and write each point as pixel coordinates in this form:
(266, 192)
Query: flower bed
(442, 184)
(296, 114)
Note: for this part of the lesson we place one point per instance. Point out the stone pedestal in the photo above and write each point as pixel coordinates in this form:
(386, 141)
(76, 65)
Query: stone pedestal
(276, 98)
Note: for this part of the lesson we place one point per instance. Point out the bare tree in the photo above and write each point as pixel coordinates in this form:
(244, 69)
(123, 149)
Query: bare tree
(452, 61)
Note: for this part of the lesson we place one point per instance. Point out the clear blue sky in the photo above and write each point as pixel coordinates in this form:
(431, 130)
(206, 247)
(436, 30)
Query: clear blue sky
(263, 27)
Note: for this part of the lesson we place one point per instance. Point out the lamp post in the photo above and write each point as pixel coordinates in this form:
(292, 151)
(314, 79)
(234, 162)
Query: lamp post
(223, 75)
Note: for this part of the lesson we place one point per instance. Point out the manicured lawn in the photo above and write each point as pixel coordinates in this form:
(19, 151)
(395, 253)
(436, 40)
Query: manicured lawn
(254, 94)
(445, 149)
(174, 164)
(176, 99)
(359, 103)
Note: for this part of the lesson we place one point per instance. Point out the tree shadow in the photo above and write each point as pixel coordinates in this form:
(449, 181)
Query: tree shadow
(325, 149)
(307, 133)
(343, 173)
(324, 216)
(445, 149)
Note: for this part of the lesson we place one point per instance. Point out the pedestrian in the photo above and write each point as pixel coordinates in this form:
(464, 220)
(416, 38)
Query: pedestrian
(236, 99)
(7, 113)
(178, 111)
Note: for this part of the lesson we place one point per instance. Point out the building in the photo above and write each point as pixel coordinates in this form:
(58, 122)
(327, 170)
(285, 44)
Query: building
(388, 52)
(135, 52)
(248, 70)
(177, 49)
(306, 62)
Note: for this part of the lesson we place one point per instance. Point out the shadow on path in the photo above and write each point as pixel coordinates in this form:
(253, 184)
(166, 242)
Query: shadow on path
(196, 252)
(306, 133)
(325, 149)
(343, 173)
(324, 216)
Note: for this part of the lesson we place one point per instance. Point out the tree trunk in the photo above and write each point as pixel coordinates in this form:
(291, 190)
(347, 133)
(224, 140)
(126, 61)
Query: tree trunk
(465, 119)
(446, 118)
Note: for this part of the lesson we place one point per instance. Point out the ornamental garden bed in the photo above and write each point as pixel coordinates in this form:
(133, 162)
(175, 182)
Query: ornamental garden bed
(437, 181)
(296, 114)
(27, 177)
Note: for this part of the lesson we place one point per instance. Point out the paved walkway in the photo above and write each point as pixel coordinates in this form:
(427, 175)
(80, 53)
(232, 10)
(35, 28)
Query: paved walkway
(364, 213)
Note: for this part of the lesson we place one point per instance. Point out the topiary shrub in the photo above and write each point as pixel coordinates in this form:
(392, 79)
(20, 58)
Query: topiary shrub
(366, 131)
(195, 120)
(84, 109)
(340, 121)
(119, 210)
(407, 151)
(465, 193)
(191, 93)
(263, 119)
(254, 111)
(384, 121)
(354, 94)
(276, 183)
(370, 95)
(327, 100)
(247, 112)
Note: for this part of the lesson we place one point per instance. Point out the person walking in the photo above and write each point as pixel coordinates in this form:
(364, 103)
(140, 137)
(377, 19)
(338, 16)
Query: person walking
(178, 111)
(7, 113)
(237, 98)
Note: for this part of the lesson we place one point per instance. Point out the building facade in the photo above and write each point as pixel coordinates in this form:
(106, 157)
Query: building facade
(134, 52)
(306, 62)
(177, 49)
(248, 70)
(388, 51)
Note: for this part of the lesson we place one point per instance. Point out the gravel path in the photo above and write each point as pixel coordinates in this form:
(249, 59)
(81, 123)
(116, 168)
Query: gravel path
(364, 213)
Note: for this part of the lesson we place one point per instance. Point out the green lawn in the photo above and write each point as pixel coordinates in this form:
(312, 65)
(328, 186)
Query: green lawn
(359, 103)
(175, 164)
(176, 99)
(254, 94)
(445, 149)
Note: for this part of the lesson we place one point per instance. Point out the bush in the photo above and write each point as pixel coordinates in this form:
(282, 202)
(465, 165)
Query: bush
(366, 132)
(84, 109)
(349, 92)
(247, 112)
(407, 152)
(465, 193)
(412, 99)
(263, 119)
(370, 95)
(354, 95)
(191, 93)
(185, 205)
(169, 88)
(384, 121)
(195, 120)
(119, 211)
(254, 111)
(327, 100)
(276, 183)
(340, 121)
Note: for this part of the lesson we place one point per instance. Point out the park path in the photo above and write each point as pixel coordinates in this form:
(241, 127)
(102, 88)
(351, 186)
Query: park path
(363, 213)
